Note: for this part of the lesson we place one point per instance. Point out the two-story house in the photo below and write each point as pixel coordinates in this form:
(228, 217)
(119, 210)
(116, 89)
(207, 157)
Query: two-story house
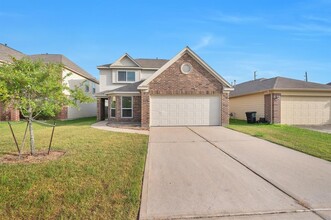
(77, 77)
(157, 92)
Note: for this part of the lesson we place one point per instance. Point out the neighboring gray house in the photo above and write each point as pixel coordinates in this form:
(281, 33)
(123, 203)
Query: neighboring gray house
(283, 100)
(78, 77)
(157, 92)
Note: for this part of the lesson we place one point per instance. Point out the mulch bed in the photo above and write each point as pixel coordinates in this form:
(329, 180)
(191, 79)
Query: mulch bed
(38, 157)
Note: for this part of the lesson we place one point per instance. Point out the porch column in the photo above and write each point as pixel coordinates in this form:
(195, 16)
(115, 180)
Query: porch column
(100, 109)
(109, 107)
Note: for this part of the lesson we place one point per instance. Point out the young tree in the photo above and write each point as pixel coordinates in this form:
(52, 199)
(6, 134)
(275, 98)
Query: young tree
(36, 87)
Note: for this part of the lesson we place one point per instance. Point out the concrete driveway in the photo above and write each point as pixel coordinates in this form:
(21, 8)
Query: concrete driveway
(217, 173)
(320, 128)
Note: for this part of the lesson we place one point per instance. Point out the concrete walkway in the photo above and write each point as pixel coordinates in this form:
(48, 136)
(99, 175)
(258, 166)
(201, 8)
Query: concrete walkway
(214, 172)
(102, 125)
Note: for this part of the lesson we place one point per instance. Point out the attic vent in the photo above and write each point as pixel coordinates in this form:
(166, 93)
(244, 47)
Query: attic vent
(186, 68)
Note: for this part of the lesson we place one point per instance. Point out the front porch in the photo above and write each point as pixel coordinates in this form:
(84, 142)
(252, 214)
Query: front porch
(120, 110)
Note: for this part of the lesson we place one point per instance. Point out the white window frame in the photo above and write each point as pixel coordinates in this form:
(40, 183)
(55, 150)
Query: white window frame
(126, 108)
(126, 76)
(111, 108)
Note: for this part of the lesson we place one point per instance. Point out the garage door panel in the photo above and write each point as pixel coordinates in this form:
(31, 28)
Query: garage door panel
(302, 110)
(185, 110)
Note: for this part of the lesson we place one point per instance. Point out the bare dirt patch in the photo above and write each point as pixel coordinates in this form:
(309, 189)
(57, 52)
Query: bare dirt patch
(39, 157)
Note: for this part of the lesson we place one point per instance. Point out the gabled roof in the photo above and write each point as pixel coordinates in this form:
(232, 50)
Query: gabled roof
(7, 52)
(144, 85)
(141, 63)
(151, 63)
(126, 55)
(276, 83)
(59, 58)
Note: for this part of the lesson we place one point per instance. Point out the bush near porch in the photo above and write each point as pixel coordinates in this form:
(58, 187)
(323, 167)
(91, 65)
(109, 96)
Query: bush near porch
(310, 142)
(99, 177)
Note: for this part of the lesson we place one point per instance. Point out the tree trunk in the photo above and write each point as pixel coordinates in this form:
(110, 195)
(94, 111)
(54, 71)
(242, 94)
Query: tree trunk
(31, 136)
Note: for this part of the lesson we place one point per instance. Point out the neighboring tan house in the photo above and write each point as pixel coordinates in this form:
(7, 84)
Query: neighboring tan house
(283, 100)
(156, 92)
(78, 77)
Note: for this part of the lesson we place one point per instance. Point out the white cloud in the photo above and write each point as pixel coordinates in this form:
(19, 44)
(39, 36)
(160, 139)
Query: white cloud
(203, 42)
(304, 28)
(234, 19)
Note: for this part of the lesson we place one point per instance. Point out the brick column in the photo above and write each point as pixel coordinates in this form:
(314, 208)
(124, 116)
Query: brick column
(276, 99)
(225, 117)
(14, 114)
(145, 109)
(109, 107)
(272, 108)
(98, 109)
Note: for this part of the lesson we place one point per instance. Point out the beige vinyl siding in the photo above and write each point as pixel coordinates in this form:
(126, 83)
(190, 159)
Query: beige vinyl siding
(248, 103)
(306, 110)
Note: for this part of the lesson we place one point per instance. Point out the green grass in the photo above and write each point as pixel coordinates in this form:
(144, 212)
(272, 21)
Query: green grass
(310, 142)
(99, 177)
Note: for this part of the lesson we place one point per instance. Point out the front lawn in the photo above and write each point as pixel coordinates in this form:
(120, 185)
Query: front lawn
(99, 177)
(310, 142)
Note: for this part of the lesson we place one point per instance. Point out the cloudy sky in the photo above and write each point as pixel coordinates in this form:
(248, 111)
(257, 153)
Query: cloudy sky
(236, 38)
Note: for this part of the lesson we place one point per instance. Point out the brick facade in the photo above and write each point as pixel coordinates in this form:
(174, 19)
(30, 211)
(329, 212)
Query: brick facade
(63, 115)
(173, 82)
(145, 109)
(225, 117)
(276, 98)
(9, 113)
(272, 108)
(136, 105)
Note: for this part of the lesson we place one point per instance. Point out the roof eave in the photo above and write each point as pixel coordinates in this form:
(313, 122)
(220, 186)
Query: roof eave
(121, 92)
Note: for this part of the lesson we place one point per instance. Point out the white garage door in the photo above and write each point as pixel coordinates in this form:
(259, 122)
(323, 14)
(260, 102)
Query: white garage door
(303, 110)
(184, 110)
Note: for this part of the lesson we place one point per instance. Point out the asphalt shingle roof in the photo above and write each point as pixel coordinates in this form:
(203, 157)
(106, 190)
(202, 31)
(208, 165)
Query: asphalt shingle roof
(59, 58)
(151, 63)
(146, 63)
(7, 52)
(279, 83)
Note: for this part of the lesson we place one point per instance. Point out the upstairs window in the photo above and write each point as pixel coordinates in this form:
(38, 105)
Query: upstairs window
(126, 76)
